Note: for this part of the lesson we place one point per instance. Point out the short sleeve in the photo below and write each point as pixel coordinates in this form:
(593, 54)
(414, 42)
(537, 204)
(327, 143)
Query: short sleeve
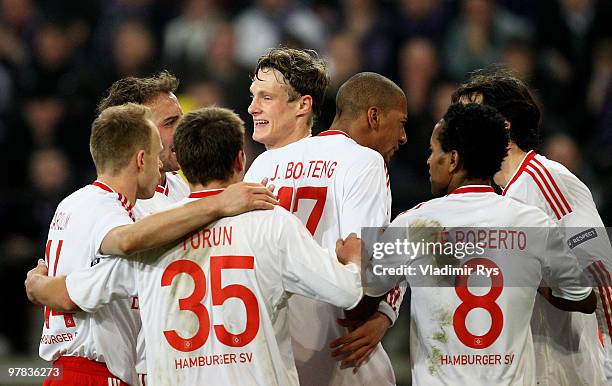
(110, 216)
(94, 287)
(563, 273)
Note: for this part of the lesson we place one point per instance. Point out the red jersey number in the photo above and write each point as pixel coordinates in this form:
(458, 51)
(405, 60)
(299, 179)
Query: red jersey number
(219, 295)
(318, 194)
(487, 302)
(68, 319)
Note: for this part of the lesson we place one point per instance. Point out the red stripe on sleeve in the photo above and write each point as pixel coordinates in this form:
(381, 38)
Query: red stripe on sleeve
(552, 180)
(544, 193)
(549, 189)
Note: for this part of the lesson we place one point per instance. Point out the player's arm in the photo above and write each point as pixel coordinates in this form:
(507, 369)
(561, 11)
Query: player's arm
(87, 289)
(367, 204)
(48, 291)
(309, 270)
(161, 228)
(567, 290)
(586, 306)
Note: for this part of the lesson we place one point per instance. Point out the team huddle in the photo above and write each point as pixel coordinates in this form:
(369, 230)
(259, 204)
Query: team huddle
(260, 276)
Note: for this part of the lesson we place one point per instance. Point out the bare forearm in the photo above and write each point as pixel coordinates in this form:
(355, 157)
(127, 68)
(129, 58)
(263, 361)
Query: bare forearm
(161, 228)
(50, 292)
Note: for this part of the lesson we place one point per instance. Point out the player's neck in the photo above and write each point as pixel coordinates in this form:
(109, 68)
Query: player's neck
(511, 163)
(296, 135)
(162, 180)
(121, 183)
(466, 181)
(216, 184)
(348, 127)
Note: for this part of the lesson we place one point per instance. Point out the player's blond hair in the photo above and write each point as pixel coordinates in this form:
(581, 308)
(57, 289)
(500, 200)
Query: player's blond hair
(117, 133)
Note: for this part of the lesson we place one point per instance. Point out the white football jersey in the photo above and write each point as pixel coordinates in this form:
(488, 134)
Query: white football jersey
(335, 187)
(174, 190)
(79, 225)
(568, 346)
(214, 305)
(462, 334)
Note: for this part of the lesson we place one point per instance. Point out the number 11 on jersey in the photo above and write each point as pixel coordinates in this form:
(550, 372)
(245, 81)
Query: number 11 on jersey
(68, 319)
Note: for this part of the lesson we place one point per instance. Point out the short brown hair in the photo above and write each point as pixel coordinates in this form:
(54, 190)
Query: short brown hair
(207, 142)
(505, 91)
(303, 70)
(117, 133)
(138, 90)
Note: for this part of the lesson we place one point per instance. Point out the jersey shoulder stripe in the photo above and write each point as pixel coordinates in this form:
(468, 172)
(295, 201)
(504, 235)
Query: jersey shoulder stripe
(122, 199)
(545, 182)
(554, 184)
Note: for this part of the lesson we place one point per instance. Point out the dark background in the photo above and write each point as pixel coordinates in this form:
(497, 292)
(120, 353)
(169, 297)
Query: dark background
(57, 58)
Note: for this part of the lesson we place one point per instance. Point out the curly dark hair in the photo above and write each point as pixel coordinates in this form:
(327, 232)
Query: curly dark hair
(303, 70)
(501, 89)
(478, 133)
(138, 90)
(207, 142)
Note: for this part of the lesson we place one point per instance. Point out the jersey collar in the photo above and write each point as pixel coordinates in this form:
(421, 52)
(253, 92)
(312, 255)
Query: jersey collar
(522, 166)
(164, 189)
(127, 205)
(333, 132)
(205, 193)
(473, 189)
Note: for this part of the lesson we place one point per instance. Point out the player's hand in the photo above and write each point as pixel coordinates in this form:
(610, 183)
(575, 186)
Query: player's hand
(349, 250)
(270, 187)
(244, 197)
(40, 269)
(354, 348)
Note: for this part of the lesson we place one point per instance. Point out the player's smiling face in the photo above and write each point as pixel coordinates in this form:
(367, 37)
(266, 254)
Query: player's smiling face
(167, 113)
(439, 163)
(274, 116)
(149, 176)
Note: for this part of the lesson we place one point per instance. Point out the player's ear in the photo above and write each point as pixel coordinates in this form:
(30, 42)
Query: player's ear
(240, 162)
(454, 161)
(140, 157)
(373, 117)
(304, 105)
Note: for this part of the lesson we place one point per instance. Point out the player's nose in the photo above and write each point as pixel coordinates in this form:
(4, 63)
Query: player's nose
(403, 139)
(253, 107)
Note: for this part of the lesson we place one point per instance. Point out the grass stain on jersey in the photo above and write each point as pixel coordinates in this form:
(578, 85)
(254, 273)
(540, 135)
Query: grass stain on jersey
(444, 318)
(434, 360)
(441, 337)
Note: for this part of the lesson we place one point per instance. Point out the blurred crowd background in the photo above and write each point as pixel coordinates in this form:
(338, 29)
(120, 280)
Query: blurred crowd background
(57, 58)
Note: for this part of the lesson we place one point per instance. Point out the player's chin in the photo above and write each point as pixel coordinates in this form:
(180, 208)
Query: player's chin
(259, 134)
